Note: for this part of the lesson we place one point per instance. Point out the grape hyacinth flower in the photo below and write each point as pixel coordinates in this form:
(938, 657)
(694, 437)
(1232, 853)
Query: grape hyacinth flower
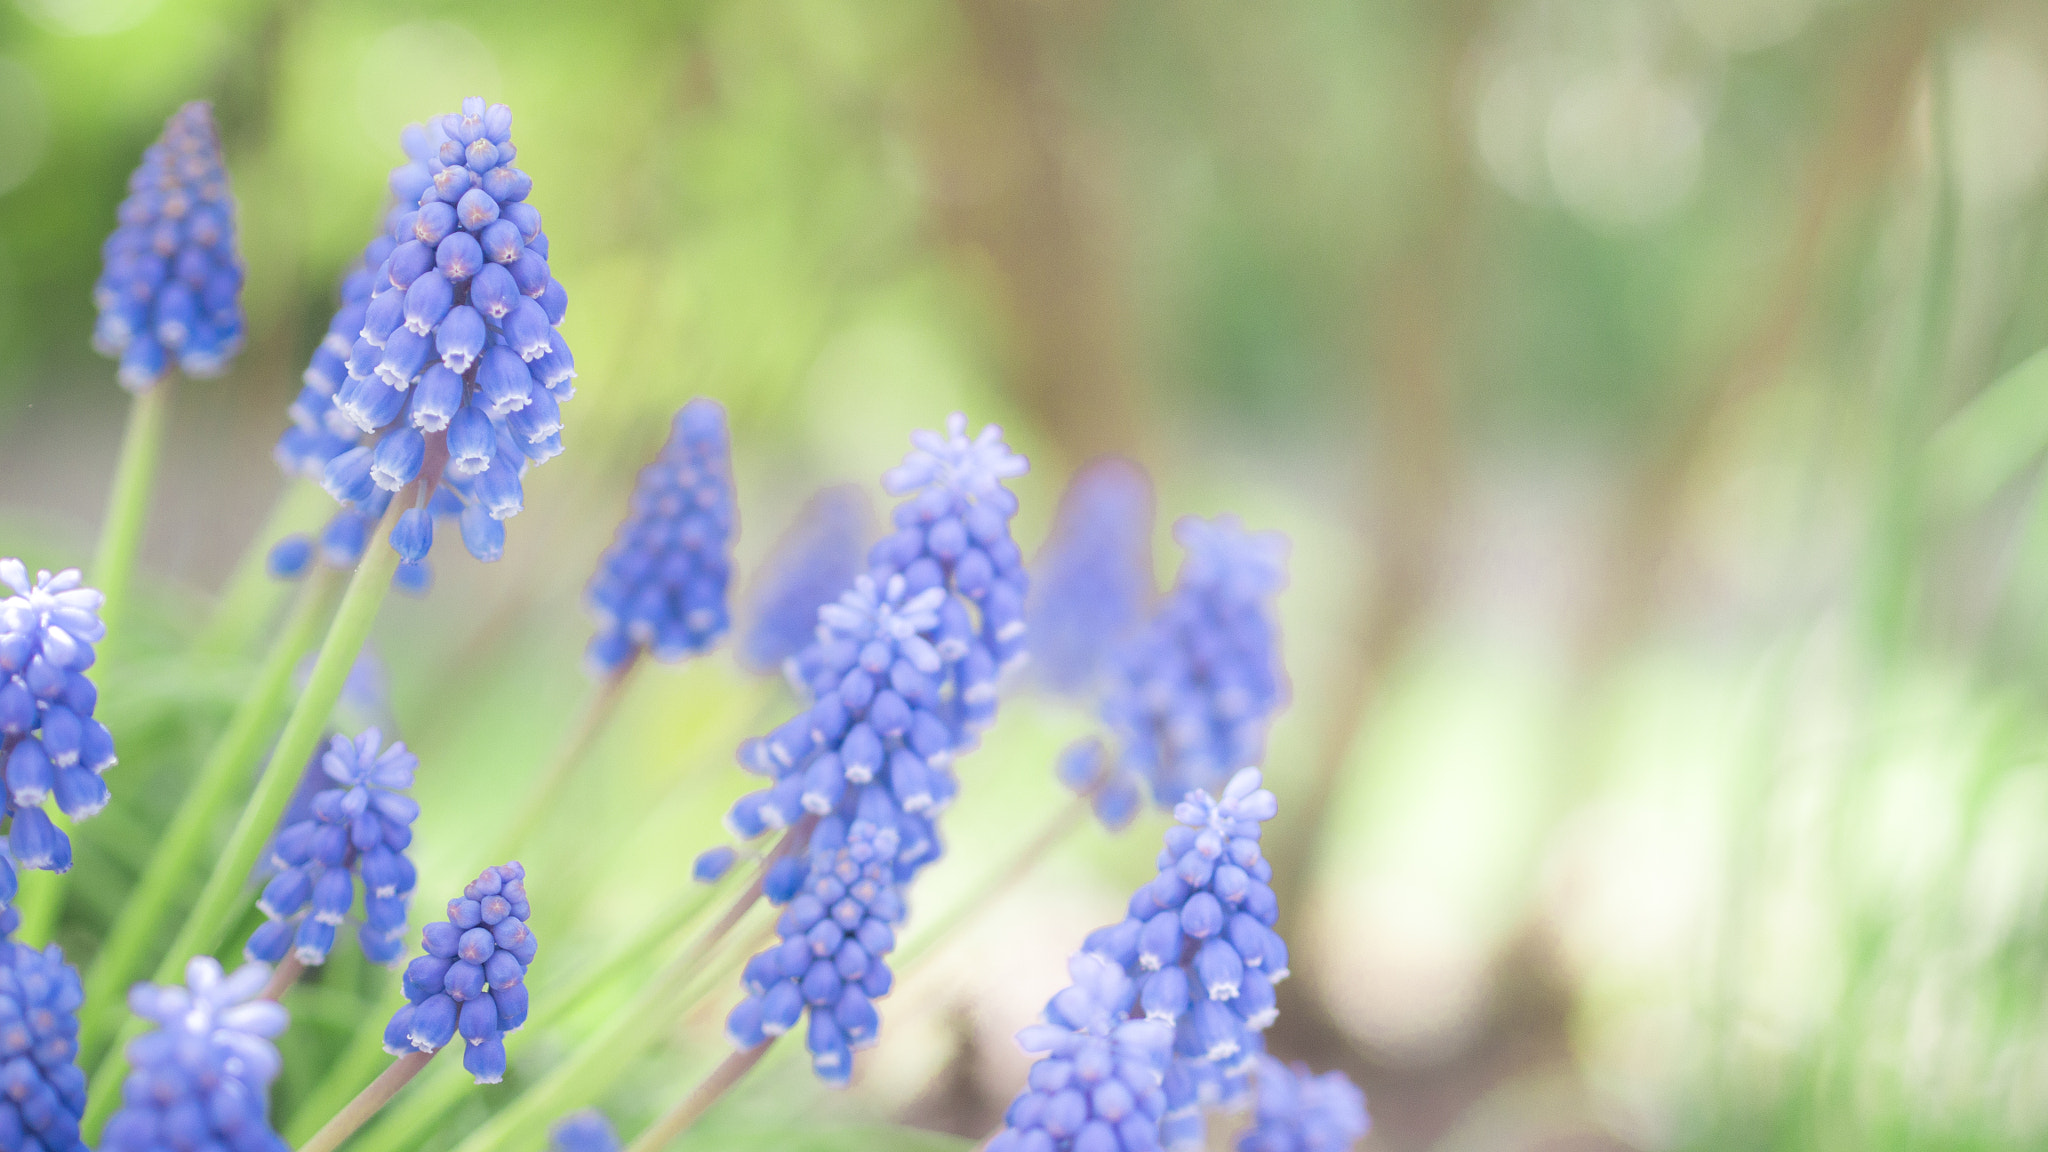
(1098, 1086)
(1199, 940)
(472, 979)
(661, 586)
(902, 678)
(1194, 693)
(49, 741)
(202, 1078)
(358, 830)
(585, 1131)
(813, 562)
(170, 292)
(43, 1089)
(1091, 584)
(449, 370)
(1296, 1112)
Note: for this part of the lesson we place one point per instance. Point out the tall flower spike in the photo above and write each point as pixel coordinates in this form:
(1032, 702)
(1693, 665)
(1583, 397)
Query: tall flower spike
(1193, 694)
(445, 364)
(170, 291)
(1098, 1086)
(1296, 1112)
(357, 830)
(902, 678)
(1199, 941)
(1091, 584)
(585, 1131)
(50, 743)
(661, 587)
(472, 979)
(39, 1075)
(202, 1078)
(813, 562)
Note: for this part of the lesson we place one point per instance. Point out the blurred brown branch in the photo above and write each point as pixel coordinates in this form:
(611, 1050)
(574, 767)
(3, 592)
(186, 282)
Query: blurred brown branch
(1009, 165)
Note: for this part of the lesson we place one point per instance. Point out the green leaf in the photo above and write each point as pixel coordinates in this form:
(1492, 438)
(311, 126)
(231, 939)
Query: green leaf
(1996, 437)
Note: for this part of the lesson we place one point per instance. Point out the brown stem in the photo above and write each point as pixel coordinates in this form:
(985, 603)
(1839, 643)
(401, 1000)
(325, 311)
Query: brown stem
(367, 1102)
(677, 1120)
(542, 793)
(1062, 824)
(282, 978)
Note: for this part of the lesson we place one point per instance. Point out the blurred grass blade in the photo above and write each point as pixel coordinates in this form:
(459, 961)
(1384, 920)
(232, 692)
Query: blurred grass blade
(1995, 438)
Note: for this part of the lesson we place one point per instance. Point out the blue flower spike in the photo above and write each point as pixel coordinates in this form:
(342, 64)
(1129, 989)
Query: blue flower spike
(1098, 1086)
(1091, 584)
(661, 586)
(1198, 940)
(813, 562)
(901, 676)
(445, 367)
(354, 834)
(170, 290)
(472, 979)
(39, 1074)
(1193, 694)
(50, 744)
(201, 1078)
(585, 1131)
(1293, 1111)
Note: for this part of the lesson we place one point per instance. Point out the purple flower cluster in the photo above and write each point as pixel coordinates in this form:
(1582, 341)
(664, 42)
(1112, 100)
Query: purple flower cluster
(444, 364)
(1294, 1111)
(1098, 1086)
(170, 291)
(202, 1078)
(1091, 583)
(357, 830)
(472, 979)
(1193, 694)
(661, 587)
(902, 678)
(585, 1131)
(1199, 941)
(49, 741)
(42, 1091)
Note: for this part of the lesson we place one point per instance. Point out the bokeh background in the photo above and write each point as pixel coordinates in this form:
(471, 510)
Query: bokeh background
(1643, 384)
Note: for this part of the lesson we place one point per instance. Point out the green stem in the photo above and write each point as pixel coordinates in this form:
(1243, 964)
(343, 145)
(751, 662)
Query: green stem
(366, 1104)
(224, 775)
(221, 900)
(249, 600)
(128, 504)
(677, 1120)
(541, 796)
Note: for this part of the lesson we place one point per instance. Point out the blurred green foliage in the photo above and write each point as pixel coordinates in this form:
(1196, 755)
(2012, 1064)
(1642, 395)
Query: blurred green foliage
(1648, 387)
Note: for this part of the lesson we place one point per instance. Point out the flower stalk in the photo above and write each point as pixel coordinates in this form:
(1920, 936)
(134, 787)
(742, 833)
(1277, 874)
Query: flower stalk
(224, 774)
(220, 901)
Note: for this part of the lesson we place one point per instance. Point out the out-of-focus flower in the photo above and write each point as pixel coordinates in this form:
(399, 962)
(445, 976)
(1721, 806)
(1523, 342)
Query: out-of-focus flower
(445, 363)
(204, 1072)
(1293, 1111)
(51, 745)
(1199, 941)
(170, 292)
(1091, 584)
(813, 562)
(1192, 696)
(585, 1131)
(39, 1074)
(661, 587)
(902, 678)
(472, 979)
(1097, 1088)
(359, 829)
